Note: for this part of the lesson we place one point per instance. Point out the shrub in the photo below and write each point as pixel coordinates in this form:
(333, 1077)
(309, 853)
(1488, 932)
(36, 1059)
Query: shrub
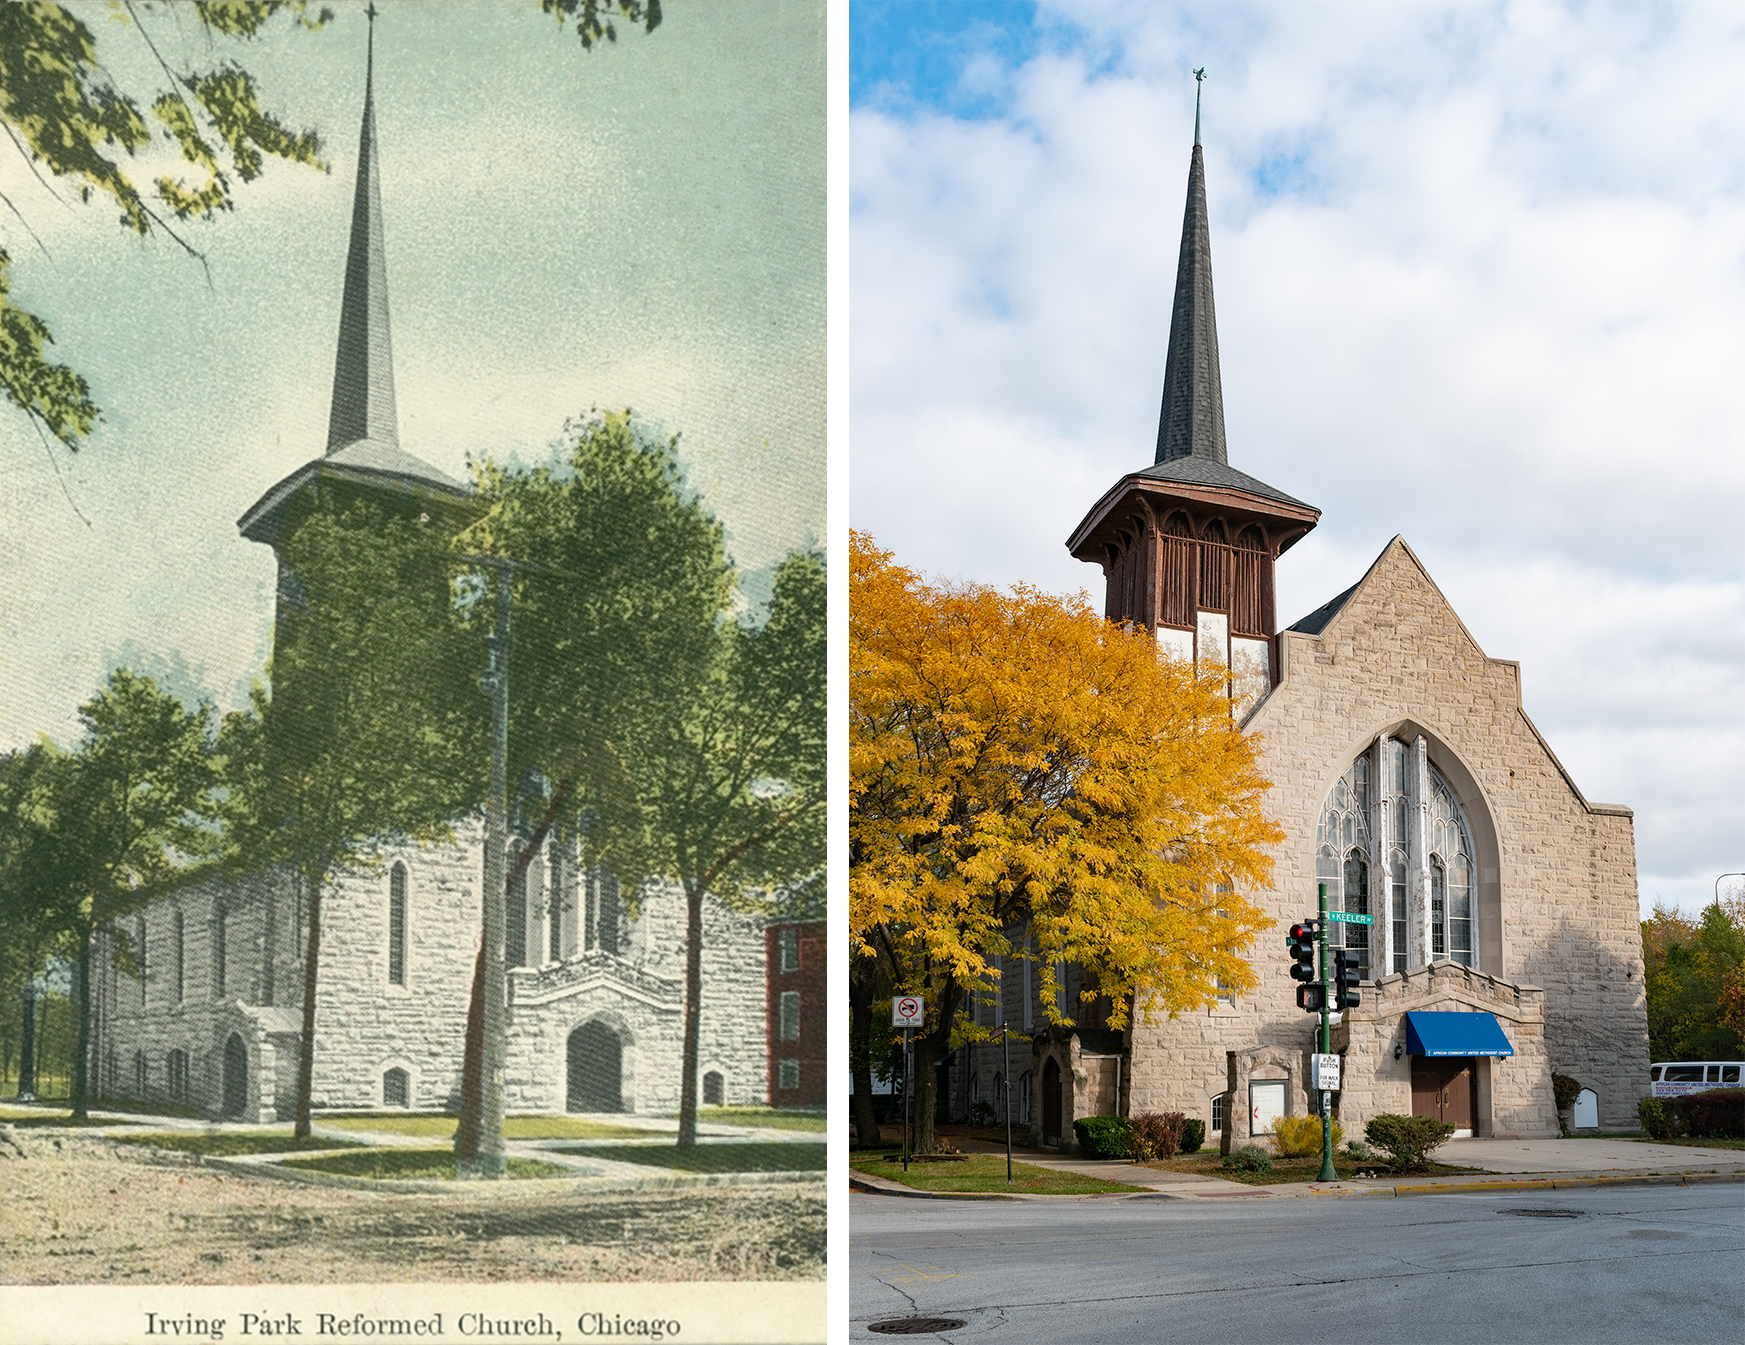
(981, 1113)
(1359, 1152)
(1720, 1112)
(1406, 1140)
(1300, 1136)
(1102, 1136)
(1155, 1135)
(1659, 1120)
(1193, 1135)
(1565, 1088)
(1249, 1158)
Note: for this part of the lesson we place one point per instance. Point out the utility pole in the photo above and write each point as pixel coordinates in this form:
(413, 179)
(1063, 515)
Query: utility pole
(486, 1159)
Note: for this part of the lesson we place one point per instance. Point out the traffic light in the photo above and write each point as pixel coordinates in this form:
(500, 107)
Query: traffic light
(1345, 975)
(1301, 944)
(1310, 997)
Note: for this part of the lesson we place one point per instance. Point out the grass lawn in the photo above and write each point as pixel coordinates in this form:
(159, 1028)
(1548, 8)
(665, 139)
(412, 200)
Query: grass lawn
(1705, 1142)
(224, 1144)
(987, 1172)
(767, 1117)
(733, 1157)
(1208, 1163)
(408, 1164)
(514, 1127)
(26, 1118)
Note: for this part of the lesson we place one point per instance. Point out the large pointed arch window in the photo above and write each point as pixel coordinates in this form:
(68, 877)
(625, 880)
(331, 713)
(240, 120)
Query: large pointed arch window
(1394, 844)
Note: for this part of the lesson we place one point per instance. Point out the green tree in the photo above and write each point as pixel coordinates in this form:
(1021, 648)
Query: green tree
(64, 113)
(136, 810)
(36, 885)
(1690, 971)
(1028, 780)
(374, 723)
(733, 788)
(691, 742)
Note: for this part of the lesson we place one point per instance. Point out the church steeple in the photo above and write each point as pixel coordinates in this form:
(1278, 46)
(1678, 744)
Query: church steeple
(1192, 421)
(363, 455)
(1187, 545)
(363, 368)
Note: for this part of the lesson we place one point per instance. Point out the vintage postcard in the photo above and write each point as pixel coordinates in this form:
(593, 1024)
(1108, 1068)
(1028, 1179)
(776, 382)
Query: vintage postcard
(412, 785)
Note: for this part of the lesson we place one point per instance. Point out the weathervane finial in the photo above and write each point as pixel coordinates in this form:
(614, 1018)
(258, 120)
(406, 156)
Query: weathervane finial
(1199, 82)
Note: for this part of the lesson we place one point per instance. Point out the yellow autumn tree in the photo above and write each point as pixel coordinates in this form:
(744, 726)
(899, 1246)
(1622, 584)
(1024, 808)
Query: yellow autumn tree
(1026, 777)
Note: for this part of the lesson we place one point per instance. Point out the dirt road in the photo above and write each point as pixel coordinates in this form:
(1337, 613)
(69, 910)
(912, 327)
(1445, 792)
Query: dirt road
(77, 1209)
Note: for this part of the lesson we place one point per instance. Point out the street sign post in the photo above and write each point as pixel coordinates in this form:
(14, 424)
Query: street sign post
(908, 1014)
(1328, 1172)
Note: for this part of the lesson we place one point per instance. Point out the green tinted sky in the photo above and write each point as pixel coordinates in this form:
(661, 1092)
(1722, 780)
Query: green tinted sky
(639, 225)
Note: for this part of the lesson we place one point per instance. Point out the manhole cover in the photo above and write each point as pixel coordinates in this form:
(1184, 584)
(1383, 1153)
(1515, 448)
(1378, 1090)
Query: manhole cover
(914, 1326)
(1544, 1213)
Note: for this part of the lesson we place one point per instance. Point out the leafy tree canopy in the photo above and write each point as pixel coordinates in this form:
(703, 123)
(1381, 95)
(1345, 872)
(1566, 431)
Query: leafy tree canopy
(1016, 762)
(64, 113)
(1694, 978)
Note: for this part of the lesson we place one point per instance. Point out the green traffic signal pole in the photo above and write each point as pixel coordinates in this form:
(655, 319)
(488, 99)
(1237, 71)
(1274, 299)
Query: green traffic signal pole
(1328, 1174)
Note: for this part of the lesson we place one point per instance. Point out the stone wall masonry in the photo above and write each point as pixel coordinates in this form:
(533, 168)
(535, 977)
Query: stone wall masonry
(1515, 1099)
(365, 1025)
(1557, 880)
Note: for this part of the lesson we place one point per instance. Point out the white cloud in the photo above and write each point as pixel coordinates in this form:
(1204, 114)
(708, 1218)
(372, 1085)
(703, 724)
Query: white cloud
(1479, 283)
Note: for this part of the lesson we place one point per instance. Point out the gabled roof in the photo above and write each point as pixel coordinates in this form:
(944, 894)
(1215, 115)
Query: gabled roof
(1316, 621)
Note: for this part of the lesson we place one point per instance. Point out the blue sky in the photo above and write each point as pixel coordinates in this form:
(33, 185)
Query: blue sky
(1479, 283)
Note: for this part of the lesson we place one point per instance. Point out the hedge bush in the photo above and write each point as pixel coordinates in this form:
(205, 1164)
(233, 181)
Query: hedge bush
(1155, 1135)
(1719, 1112)
(1300, 1136)
(1249, 1158)
(1406, 1140)
(1102, 1136)
(1658, 1119)
(1193, 1136)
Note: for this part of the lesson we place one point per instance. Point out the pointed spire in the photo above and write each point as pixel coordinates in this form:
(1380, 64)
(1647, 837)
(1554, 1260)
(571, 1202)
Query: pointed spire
(363, 370)
(1192, 421)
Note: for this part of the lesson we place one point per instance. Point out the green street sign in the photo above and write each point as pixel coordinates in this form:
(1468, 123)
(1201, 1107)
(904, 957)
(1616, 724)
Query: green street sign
(1348, 918)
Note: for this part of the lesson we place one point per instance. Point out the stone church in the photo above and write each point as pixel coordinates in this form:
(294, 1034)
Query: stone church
(1505, 942)
(212, 1019)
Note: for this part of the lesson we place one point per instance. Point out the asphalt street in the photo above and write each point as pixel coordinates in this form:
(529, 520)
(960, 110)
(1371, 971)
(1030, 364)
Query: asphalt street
(1618, 1263)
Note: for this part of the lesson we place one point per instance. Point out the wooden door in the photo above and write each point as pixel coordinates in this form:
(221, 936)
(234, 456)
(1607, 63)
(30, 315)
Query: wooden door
(1445, 1087)
(1050, 1101)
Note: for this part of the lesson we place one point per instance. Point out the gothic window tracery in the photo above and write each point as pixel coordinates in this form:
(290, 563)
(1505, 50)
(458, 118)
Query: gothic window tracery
(1392, 814)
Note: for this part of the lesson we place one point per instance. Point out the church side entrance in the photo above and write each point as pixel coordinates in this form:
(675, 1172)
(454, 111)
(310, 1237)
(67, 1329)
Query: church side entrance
(235, 1077)
(1445, 1087)
(596, 1069)
(1050, 1102)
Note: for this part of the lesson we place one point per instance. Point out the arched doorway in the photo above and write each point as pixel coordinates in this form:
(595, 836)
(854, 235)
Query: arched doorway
(596, 1069)
(235, 1076)
(1050, 1101)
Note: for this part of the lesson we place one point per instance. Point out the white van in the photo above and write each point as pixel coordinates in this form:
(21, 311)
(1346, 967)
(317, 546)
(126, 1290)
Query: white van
(1678, 1077)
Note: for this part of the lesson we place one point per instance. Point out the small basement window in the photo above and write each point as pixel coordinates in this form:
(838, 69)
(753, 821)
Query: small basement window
(394, 1088)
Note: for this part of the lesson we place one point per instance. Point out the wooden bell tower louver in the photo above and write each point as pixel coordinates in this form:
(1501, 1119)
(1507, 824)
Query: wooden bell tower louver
(1187, 545)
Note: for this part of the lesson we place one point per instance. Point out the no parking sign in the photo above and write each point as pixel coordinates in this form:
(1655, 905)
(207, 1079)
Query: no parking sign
(906, 1011)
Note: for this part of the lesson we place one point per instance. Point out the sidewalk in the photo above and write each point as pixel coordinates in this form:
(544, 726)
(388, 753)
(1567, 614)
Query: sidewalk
(1509, 1165)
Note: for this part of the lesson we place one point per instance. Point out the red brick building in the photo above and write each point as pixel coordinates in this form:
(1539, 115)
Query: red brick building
(795, 1013)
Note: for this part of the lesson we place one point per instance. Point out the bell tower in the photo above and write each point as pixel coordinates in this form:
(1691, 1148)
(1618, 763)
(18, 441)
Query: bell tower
(363, 457)
(1187, 545)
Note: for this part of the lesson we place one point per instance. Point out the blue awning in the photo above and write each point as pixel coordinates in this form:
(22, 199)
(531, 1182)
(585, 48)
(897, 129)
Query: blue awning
(1455, 1034)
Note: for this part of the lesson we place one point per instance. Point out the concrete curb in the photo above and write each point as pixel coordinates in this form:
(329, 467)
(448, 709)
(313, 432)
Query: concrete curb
(872, 1186)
